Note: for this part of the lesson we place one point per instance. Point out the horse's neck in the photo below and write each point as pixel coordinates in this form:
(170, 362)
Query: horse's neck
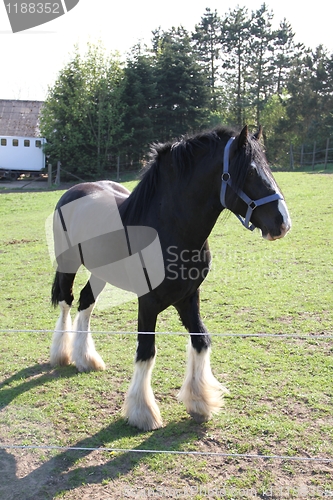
(187, 216)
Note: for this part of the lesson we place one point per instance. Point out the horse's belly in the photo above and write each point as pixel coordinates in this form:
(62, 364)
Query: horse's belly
(130, 259)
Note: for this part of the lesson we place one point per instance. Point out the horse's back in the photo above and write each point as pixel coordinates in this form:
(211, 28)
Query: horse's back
(99, 190)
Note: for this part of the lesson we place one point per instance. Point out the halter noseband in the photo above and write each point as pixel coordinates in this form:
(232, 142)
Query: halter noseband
(251, 204)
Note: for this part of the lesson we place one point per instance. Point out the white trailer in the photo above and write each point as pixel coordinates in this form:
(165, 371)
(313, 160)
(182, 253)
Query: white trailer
(21, 155)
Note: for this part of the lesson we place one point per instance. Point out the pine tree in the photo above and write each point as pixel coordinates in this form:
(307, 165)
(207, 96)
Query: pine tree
(235, 58)
(310, 87)
(262, 62)
(139, 98)
(285, 52)
(181, 102)
(207, 43)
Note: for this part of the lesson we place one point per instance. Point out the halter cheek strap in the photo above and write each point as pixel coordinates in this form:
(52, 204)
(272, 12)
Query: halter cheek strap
(251, 204)
(226, 179)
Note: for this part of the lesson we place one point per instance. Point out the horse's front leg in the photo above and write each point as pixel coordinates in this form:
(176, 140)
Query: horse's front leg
(140, 408)
(201, 393)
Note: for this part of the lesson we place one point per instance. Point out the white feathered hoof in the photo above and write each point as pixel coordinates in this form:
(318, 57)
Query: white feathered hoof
(91, 361)
(201, 393)
(202, 401)
(61, 348)
(199, 419)
(140, 408)
(85, 356)
(143, 416)
(62, 340)
(60, 359)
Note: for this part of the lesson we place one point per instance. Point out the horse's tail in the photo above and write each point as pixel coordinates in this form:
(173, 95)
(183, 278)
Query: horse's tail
(55, 290)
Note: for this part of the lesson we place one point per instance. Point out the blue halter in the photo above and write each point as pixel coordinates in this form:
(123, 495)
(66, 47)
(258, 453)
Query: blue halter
(251, 204)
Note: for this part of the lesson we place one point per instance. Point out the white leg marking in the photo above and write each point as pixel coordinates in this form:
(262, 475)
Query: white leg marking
(201, 392)
(62, 340)
(140, 408)
(85, 356)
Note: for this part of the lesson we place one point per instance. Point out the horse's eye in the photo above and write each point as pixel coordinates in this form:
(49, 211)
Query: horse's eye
(252, 171)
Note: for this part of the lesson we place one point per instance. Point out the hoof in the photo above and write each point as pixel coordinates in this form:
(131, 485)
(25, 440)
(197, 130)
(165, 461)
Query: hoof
(145, 421)
(140, 408)
(199, 419)
(61, 348)
(61, 360)
(145, 415)
(91, 363)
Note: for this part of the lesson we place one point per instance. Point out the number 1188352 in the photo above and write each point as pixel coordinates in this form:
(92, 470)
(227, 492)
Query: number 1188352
(33, 8)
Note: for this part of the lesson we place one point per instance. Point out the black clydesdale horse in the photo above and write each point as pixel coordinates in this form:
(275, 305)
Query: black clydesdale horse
(131, 239)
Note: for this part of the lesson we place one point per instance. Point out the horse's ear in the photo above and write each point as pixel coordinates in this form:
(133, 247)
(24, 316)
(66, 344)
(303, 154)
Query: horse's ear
(242, 138)
(258, 134)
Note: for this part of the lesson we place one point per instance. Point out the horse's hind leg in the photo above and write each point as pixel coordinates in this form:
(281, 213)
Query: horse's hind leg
(61, 347)
(140, 408)
(84, 355)
(201, 392)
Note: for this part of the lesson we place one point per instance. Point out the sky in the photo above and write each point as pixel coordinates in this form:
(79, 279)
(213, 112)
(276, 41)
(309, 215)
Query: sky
(32, 59)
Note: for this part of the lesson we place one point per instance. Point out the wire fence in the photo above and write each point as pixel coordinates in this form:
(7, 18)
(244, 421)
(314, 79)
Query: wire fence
(259, 335)
(311, 155)
(55, 173)
(178, 452)
(169, 452)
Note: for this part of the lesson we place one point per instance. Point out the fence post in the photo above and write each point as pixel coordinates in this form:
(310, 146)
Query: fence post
(291, 157)
(49, 175)
(314, 155)
(118, 168)
(326, 152)
(302, 155)
(57, 179)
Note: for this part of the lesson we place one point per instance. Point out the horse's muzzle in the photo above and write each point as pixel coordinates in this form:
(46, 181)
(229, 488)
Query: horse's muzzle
(284, 228)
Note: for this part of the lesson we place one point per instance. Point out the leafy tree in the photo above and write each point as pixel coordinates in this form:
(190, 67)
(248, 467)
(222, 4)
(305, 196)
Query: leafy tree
(82, 116)
(234, 69)
(62, 115)
(277, 137)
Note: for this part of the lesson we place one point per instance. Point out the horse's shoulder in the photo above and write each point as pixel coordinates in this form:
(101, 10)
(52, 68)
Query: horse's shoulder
(115, 190)
(113, 187)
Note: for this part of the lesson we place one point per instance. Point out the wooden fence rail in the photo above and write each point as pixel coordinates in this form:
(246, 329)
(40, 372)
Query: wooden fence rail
(302, 157)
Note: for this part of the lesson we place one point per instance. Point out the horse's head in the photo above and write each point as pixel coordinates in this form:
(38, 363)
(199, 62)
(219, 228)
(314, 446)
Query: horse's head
(249, 190)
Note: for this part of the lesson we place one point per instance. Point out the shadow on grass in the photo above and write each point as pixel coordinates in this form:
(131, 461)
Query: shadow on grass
(38, 375)
(63, 472)
(54, 476)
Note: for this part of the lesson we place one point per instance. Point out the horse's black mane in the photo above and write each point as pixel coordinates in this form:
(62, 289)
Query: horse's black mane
(182, 154)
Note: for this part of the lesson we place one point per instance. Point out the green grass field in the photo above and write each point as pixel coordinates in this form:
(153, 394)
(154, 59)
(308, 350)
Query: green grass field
(281, 388)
